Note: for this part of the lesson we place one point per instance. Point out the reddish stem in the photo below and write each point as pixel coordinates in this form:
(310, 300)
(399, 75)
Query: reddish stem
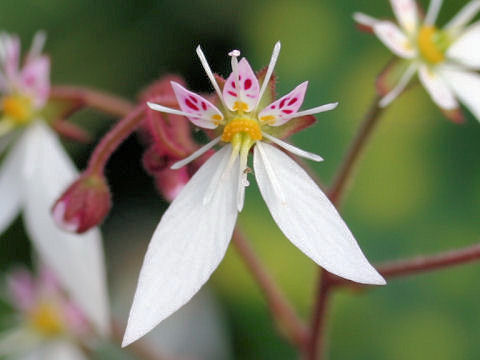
(282, 311)
(110, 142)
(337, 190)
(92, 98)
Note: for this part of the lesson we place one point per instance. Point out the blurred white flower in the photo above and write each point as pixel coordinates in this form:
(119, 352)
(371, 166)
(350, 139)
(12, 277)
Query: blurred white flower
(446, 60)
(49, 325)
(34, 173)
(193, 234)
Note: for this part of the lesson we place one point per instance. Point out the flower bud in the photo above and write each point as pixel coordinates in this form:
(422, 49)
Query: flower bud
(83, 205)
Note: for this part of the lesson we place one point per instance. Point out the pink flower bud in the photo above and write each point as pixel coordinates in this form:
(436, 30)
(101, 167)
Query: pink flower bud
(83, 205)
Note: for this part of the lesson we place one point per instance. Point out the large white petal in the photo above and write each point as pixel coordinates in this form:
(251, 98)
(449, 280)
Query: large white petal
(437, 88)
(187, 246)
(10, 186)
(466, 49)
(77, 260)
(307, 218)
(466, 85)
(406, 13)
(393, 38)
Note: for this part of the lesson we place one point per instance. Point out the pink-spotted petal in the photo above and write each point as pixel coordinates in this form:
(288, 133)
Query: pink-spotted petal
(406, 13)
(35, 79)
(200, 111)
(244, 95)
(282, 110)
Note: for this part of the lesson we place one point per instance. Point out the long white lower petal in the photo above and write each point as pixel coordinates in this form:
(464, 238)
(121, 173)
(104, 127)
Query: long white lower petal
(437, 88)
(402, 84)
(196, 154)
(309, 220)
(187, 246)
(466, 50)
(463, 17)
(77, 260)
(293, 149)
(10, 186)
(466, 85)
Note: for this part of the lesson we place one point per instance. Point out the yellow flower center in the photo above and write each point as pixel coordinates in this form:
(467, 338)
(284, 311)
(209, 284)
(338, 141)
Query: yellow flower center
(17, 108)
(243, 125)
(46, 320)
(432, 44)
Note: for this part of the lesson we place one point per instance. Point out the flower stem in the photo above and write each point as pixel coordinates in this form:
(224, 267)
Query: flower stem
(114, 138)
(347, 168)
(282, 312)
(316, 348)
(95, 99)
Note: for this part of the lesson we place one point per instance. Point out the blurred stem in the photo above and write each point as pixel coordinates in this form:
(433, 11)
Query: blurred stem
(420, 264)
(139, 348)
(282, 312)
(316, 347)
(102, 101)
(110, 142)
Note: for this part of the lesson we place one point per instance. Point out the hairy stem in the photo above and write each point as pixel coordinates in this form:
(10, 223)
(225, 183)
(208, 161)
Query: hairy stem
(102, 101)
(110, 142)
(283, 313)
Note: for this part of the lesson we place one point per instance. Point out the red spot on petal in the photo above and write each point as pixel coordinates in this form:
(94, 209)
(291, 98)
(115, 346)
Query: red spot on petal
(233, 84)
(247, 84)
(191, 105)
(204, 106)
(282, 103)
(193, 99)
(293, 101)
(232, 93)
(273, 107)
(287, 111)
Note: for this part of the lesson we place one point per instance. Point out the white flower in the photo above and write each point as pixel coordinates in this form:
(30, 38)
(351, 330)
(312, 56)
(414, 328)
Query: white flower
(34, 173)
(446, 60)
(49, 325)
(193, 234)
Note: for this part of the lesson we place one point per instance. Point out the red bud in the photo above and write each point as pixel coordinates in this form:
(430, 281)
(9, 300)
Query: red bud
(83, 205)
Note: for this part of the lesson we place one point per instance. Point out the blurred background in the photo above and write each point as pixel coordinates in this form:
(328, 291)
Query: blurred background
(417, 190)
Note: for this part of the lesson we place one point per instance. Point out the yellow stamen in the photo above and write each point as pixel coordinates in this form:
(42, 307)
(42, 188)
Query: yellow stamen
(429, 46)
(17, 108)
(240, 106)
(242, 125)
(216, 119)
(46, 320)
(268, 119)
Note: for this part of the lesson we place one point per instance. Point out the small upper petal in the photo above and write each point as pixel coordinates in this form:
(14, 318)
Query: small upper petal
(245, 90)
(463, 17)
(394, 39)
(282, 110)
(201, 111)
(406, 13)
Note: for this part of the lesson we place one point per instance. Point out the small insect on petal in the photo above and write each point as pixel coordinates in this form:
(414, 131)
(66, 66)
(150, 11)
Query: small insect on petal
(244, 95)
(280, 111)
(200, 111)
